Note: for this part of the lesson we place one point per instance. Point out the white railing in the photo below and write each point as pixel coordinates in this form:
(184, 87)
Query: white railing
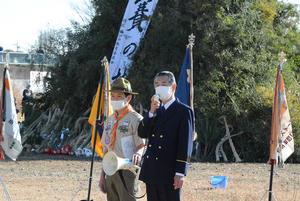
(20, 58)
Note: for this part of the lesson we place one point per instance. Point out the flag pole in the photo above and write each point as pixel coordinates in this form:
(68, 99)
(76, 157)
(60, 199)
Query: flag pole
(190, 45)
(95, 131)
(273, 161)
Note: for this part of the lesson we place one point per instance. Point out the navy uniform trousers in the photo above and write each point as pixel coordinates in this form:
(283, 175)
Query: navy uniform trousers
(169, 135)
(163, 192)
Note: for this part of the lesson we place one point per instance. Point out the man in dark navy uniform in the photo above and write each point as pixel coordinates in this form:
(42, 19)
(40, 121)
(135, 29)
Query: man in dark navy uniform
(168, 127)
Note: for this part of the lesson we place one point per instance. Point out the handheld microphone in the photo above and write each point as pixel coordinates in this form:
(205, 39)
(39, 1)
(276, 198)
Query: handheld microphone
(156, 97)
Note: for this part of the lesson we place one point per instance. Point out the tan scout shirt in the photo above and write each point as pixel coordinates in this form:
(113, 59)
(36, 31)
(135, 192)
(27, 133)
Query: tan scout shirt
(127, 138)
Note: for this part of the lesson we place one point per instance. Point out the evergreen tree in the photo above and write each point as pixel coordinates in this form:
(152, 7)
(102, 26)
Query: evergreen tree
(235, 59)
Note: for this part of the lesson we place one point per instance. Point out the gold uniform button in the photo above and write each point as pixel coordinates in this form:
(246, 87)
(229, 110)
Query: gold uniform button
(159, 147)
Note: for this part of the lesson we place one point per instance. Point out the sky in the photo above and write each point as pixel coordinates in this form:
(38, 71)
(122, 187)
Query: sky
(22, 20)
(293, 1)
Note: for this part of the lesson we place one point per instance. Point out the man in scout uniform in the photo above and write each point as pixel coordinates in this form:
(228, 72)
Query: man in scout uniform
(169, 127)
(120, 136)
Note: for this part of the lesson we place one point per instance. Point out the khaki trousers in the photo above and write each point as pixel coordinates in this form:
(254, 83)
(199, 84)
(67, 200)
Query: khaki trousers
(115, 188)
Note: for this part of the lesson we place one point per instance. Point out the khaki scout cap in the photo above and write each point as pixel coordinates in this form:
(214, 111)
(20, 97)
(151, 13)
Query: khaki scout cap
(122, 85)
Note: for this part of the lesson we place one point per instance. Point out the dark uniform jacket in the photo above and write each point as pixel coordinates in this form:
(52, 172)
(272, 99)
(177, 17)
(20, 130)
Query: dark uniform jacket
(169, 136)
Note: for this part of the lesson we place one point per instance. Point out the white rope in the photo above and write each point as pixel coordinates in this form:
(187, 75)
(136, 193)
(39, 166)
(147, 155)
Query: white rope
(296, 181)
(267, 193)
(5, 192)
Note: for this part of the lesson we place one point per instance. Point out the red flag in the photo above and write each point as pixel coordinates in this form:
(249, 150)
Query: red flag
(281, 140)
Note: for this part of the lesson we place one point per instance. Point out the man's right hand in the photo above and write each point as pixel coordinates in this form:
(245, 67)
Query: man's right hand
(102, 182)
(155, 103)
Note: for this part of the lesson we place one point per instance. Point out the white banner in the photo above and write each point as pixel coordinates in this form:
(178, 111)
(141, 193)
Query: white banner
(12, 144)
(133, 28)
(286, 135)
(37, 81)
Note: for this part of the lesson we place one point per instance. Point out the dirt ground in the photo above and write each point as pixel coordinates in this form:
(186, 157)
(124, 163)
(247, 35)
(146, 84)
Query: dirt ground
(44, 178)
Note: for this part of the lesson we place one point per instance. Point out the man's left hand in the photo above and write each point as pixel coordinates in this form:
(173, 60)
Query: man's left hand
(178, 181)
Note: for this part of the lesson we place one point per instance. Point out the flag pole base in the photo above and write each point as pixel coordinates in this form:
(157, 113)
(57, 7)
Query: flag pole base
(270, 192)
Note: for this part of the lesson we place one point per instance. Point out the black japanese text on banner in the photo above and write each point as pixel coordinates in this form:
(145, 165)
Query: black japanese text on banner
(133, 28)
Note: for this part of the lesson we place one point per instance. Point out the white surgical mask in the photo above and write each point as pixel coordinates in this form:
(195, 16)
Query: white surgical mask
(117, 105)
(164, 92)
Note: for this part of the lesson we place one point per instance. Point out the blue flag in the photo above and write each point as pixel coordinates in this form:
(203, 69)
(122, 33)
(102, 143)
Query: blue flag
(183, 88)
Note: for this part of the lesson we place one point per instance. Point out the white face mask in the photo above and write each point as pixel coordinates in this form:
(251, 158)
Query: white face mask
(164, 92)
(117, 105)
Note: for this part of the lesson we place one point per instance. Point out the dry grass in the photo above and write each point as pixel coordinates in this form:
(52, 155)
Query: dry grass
(40, 178)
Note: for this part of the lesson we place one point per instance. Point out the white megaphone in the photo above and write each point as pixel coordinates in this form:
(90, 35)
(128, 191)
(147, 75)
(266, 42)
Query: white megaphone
(112, 163)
